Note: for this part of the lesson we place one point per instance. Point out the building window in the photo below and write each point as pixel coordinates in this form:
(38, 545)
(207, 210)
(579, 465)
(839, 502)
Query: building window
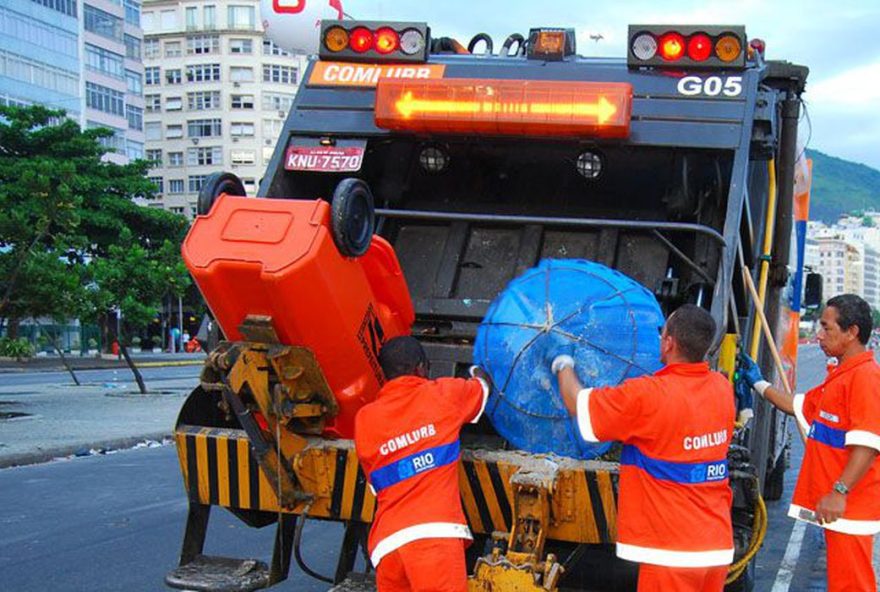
(241, 74)
(202, 100)
(38, 74)
(277, 101)
(204, 155)
(192, 18)
(196, 182)
(67, 7)
(153, 131)
(276, 73)
(105, 99)
(151, 75)
(134, 82)
(173, 103)
(168, 20)
(250, 185)
(135, 117)
(241, 46)
(133, 12)
(132, 48)
(272, 127)
(159, 182)
(201, 44)
(134, 150)
(204, 128)
(173, 76)
(102, 23)
(210, 14)
(151, 48)
(98, 59)
(242, 101)
(241, 129)
(173, 132)
(173, 49)
(43, 35)
(155, 154)
(203, 73)
(243, 157)
(269, 48)
(153, 103)
(240, 17)
(178, 209)
(175, 186)
(175, 159)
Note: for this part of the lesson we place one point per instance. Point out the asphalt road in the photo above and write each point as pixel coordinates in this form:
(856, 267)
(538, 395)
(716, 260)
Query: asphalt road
(115, 376)
(115, 523)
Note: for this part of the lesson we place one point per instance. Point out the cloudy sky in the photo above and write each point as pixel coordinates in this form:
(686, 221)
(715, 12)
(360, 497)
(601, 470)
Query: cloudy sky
(837, 39)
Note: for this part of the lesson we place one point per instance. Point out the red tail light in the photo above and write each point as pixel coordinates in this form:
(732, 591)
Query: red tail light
(361, 40)
(699, 47)
(671, 47)
(387, 40)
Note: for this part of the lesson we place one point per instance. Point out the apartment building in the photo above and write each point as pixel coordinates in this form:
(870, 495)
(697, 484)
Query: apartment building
(841, 264)
(83, 56)
(216, 94)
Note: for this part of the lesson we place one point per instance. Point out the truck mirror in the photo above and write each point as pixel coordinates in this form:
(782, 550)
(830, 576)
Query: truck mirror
(813, 290)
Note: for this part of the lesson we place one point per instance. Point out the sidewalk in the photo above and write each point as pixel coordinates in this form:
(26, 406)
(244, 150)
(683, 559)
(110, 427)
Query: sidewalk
(52, 363)
(44, 422)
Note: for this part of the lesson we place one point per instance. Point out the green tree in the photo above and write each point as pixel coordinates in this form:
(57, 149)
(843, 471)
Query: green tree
(71, 236)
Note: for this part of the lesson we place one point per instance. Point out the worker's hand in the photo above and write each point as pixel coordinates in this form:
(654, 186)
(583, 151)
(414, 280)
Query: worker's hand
(748, 370)
(830, 507)
(560, 354)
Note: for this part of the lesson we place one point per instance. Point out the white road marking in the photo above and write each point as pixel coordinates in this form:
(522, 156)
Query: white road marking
(789, 561)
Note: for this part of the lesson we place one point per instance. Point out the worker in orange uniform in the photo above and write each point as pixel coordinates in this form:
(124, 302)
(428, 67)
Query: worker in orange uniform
(675, 426)
(407, 441)
(839, 483)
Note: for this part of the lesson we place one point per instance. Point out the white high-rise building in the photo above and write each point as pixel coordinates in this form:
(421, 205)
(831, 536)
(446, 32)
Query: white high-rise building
(216, 92)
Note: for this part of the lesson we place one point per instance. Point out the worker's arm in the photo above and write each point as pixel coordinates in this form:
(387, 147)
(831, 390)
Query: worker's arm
(750, 372)
(569, 387)
(833, 504)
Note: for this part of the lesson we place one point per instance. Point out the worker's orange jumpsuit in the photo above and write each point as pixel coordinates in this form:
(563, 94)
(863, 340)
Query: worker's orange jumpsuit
(842, 411)
(407, 443)
(674, 502)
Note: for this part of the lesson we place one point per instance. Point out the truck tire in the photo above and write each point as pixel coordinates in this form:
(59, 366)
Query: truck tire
(214, 186)
(353, 217)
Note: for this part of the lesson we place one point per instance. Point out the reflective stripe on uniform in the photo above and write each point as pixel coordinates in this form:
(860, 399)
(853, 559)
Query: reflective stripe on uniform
(429, 530)
(798, 405)
(583, 416)
(827, 435)
(675, 558)
(485, 399)
(414, 464)
(844, 525)
(863, 438)
(678, 472)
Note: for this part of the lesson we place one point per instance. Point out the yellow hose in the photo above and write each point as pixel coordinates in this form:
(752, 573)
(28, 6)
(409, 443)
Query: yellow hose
(759, 531)
(764, 270)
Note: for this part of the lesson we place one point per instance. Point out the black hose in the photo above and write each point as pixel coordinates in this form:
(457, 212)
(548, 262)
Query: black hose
(297, 536)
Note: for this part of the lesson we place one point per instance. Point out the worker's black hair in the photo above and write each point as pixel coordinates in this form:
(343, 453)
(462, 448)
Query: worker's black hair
(693, 328)
(853, 310)
(401, 356)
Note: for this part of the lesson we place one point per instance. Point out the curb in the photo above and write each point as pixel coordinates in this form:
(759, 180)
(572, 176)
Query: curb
(61, 368)
(48, 454)
(178, 363)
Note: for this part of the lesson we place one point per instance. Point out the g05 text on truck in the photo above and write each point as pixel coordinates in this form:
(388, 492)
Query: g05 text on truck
(676, 166)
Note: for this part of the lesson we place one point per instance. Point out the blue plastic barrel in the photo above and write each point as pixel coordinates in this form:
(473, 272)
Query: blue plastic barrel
(614, 323)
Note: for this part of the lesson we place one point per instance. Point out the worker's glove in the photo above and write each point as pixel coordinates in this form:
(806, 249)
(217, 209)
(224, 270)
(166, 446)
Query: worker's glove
(748, 372)
(560, 354)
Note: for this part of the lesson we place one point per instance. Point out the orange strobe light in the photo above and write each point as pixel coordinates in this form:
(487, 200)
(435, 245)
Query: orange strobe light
(505, 107)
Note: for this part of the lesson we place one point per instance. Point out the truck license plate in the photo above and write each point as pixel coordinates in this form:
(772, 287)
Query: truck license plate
(324, 158)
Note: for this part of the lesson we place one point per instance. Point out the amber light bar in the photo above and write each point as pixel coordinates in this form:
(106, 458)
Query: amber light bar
(505, 107)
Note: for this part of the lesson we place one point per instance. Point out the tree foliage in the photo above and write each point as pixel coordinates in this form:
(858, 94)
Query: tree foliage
(73, 242)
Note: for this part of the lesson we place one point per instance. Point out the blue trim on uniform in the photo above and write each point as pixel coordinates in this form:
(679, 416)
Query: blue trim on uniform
(828, 435)
(687, 473)
(414, 464)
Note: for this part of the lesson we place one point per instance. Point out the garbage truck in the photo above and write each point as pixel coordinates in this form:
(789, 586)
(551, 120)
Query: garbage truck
(414, 179)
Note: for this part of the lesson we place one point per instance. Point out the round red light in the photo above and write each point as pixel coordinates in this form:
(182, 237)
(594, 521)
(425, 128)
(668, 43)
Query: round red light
(671, 47)
(361, 40)
(699, 47)
(387, 40)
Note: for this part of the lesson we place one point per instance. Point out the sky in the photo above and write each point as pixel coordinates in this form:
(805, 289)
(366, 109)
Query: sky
(837, 39)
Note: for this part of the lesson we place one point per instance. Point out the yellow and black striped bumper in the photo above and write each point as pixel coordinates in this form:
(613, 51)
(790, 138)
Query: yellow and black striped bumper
(219, 469)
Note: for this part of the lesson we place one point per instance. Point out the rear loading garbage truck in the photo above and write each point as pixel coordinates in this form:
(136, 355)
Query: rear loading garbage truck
(414, 178)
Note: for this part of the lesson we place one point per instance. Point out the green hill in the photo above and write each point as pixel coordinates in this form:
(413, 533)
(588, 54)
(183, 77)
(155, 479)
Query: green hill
(841, 186)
